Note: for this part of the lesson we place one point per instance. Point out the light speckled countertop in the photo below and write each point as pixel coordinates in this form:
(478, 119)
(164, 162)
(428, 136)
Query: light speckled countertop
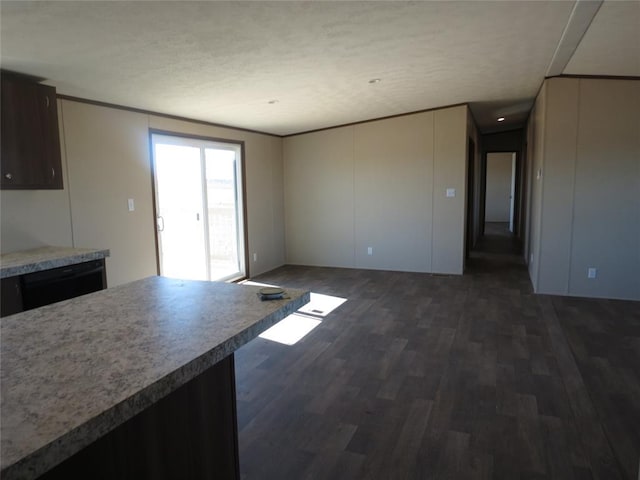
(45, 258)
(73, 371)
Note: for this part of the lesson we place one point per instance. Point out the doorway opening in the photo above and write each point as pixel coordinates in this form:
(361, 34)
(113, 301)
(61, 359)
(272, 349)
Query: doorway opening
(500, 193)
(471, 213)
(500, 205)
(199, 207)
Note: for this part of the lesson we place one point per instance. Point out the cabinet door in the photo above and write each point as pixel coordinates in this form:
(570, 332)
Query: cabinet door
(10, 296)
(30, 141)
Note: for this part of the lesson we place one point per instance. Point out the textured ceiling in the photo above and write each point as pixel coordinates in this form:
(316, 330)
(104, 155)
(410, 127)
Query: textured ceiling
(223, 62)
(612, 44)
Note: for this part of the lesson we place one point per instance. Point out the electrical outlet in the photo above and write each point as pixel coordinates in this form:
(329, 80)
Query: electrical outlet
(592, 272)
(131, 204)
(369, 250)
(255, 257)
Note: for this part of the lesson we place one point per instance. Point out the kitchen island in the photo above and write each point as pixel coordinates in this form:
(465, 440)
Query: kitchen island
(135, 381)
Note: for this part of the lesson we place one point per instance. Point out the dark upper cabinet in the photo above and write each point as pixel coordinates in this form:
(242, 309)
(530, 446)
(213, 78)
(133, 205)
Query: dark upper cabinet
(30, 139)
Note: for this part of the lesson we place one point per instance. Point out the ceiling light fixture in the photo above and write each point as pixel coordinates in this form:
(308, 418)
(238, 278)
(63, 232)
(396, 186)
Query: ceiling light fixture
(501, 119)
(272, 102)
(375, 80)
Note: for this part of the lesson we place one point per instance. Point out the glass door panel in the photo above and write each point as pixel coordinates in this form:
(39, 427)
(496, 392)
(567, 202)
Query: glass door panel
(179, 208)
(222, 203)
(199, 204)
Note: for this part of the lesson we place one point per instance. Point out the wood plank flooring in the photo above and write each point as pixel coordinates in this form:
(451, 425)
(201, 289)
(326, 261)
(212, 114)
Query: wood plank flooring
(497, 239)
(420, 376)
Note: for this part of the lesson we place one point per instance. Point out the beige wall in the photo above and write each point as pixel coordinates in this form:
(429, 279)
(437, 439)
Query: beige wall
(393, 209)
(450, 168)
(35, 218)
(318, 193)
(586, 206)
(558, 178)
(381, 185)
(107, 162)
(536, 162)
(606, 203)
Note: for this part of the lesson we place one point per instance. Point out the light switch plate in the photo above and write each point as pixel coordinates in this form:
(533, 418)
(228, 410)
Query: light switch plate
(131, 204)
(451, 192)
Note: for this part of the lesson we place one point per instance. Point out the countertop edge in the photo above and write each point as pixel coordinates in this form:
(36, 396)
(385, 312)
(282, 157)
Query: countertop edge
(49, 456)
(63, 261)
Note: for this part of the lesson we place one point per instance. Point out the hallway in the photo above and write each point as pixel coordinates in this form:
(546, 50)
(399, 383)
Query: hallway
(421, 376)
(498, 239)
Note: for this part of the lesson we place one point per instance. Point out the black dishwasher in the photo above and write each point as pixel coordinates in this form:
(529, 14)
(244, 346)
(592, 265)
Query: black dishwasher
(57, 284)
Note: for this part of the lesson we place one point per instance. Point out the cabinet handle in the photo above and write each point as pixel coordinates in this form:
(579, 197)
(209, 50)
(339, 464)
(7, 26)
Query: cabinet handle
(47, 99)
(53, 173)
(8, 176)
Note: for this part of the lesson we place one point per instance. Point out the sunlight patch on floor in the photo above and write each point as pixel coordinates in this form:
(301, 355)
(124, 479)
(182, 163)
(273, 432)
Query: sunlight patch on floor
(293, 328)
(256, 284)
(321, 305)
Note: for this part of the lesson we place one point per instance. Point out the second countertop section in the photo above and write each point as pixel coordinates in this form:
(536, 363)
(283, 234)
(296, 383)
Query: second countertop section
(45, 258)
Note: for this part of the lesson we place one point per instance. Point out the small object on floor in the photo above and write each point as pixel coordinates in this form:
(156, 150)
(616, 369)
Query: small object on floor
(272, 293)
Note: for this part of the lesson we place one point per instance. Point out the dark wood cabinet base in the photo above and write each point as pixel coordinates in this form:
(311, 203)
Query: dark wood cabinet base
(10, 296)
(190, 434)
(36, 289)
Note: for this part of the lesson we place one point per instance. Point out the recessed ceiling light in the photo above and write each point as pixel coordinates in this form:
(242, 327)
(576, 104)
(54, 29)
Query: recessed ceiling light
(271, 102)
(501, 119)
(375, 80)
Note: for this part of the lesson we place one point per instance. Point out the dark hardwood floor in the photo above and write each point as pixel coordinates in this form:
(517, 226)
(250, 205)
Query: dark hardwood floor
(422, 376)
(497, 239)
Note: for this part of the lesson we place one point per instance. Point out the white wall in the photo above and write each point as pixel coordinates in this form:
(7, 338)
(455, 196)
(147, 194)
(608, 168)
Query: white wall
(107, 160)
(498, 192)
(586, 206)
(382, 185)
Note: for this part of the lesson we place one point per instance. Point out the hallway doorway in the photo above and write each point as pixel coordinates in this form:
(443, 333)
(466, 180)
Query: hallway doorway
(500, 206)
(500, 192)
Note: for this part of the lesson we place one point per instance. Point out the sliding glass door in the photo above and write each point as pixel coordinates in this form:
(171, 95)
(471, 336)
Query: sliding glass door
(198, 194)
